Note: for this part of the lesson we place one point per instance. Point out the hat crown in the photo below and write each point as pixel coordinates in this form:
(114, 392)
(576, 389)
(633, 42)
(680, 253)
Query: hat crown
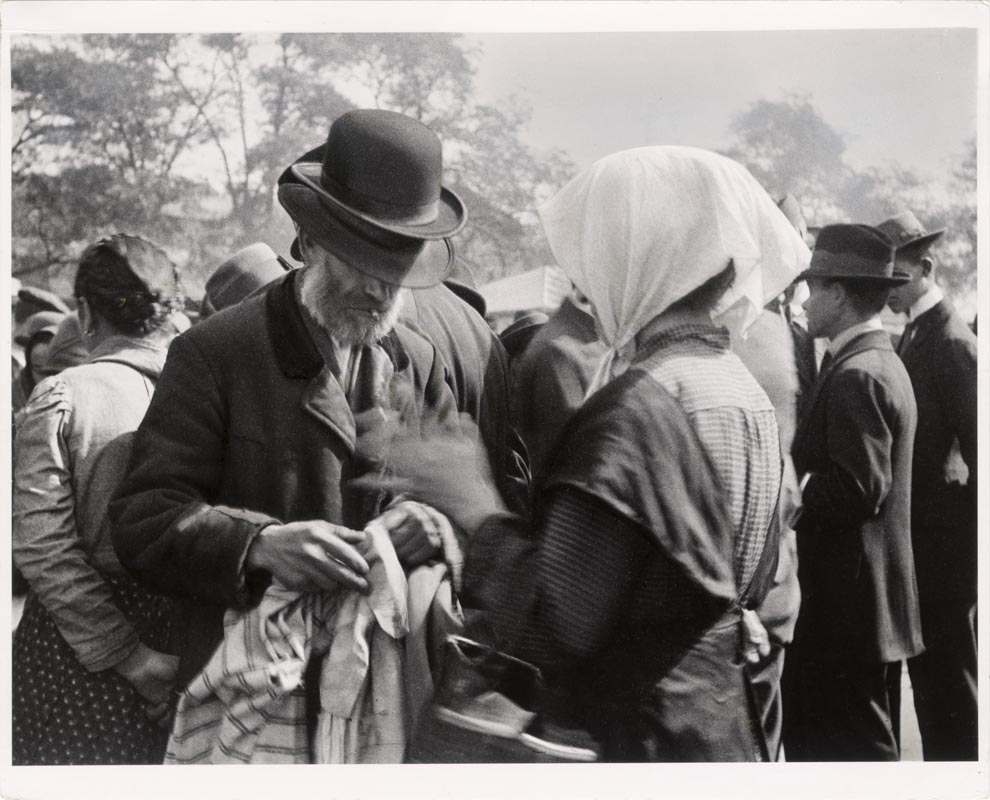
(243, 273)
(855, 240)
(378, 160)
(848, 252)
(902, 228)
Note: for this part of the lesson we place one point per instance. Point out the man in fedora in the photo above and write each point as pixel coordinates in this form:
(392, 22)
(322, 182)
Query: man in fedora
(247, 271)
(264, 413)
(939, 352)
(859, 614)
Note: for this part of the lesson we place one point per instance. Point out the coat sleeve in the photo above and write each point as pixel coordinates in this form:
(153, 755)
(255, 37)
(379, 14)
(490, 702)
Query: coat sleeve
(556, 595)
(957, 385)
(859, 442)
(47, 546)
(166, 529)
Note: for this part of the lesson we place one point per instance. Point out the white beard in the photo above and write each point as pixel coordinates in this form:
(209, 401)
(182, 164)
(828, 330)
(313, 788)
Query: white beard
(345, 325)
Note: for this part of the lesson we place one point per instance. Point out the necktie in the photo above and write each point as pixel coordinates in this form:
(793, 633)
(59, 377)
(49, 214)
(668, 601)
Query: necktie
(906, 337)
(826, 363)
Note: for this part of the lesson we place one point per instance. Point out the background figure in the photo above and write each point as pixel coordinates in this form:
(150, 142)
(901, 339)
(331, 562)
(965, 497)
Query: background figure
(35, 335)
(768, 354)
(859, 602)
(551, 377)
(90, 670)
(250, 269)
(625, 593)
(67, 349)
(477, 370)
(939, 353)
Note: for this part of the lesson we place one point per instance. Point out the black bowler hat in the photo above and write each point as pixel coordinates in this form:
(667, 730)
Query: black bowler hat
(372, 196)
(854, 254)
(908, 234)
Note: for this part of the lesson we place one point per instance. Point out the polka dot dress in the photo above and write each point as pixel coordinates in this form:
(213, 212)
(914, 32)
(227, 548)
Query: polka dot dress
(65, 714)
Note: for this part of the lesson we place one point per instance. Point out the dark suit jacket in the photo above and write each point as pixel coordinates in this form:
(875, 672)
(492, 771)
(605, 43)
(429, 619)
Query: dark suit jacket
(248, 426)
(941, 361)
(550, 379)
(855, 564)
(477, 371)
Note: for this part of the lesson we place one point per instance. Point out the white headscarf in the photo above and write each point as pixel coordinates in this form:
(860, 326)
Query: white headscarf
(640, 229)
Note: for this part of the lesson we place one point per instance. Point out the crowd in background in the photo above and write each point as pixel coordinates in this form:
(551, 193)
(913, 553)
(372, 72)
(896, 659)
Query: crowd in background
(710, 497)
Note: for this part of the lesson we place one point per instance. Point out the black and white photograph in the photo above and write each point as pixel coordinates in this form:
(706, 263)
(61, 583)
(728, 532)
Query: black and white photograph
(475, 385)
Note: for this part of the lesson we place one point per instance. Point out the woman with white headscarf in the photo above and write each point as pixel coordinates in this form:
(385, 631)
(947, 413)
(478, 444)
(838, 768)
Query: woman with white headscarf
(654, 528)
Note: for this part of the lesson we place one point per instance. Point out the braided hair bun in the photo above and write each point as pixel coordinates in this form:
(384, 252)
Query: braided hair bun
(130, 282)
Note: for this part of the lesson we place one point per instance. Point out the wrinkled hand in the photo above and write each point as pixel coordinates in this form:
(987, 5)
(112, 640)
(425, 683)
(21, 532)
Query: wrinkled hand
(417, 531)
(311, 556)
(446, 470)
(151, 673)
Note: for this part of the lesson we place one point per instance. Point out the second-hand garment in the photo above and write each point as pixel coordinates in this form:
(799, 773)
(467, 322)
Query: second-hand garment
(84, 614)
(249, 703)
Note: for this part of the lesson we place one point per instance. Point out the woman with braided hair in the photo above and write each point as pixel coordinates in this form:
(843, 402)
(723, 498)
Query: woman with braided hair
(91, 673)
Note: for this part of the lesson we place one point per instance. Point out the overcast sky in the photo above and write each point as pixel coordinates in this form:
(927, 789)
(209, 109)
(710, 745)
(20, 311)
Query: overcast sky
(902, 95)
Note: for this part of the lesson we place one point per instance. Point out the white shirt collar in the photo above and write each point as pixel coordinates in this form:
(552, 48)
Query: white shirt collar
(840, 341)
(926, 302)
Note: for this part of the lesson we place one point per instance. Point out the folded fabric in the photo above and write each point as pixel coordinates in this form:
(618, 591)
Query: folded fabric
(248, 705)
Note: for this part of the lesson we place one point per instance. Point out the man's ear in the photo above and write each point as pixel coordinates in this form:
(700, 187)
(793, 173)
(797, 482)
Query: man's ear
(927, 266)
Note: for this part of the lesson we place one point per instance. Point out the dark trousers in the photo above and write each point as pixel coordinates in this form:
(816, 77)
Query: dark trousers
(943, 679)
(837, 711)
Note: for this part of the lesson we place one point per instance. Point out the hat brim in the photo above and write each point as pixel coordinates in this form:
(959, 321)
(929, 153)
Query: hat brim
(897, 279)
(395, 259)
(451, 213)
(920, 243)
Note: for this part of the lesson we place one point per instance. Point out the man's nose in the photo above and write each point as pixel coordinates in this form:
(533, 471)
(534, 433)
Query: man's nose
(377, 290)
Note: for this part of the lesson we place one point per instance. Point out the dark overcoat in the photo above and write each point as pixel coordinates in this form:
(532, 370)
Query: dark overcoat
(855, 562)
(941, 362)
(248, 427)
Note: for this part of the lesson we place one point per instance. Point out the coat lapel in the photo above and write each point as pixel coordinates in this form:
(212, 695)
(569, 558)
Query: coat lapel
(298, 357)
(867, 341)
(931, 320)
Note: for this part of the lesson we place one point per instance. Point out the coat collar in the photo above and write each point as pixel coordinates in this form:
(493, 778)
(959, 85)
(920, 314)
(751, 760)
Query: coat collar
(871, 340)
(295, 351)
(146, 355)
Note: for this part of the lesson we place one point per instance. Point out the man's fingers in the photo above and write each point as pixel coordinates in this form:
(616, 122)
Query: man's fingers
(337, 550)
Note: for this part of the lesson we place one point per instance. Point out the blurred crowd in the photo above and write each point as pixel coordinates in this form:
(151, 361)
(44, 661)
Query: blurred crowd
(712, 503)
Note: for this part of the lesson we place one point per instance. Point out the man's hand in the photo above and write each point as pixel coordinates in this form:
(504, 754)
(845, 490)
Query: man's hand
(151, 673)
(311, 556)
(417, 531)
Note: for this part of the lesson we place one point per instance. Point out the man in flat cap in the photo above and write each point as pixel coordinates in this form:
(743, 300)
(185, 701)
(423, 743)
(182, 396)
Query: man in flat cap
(265, 412)
(939, 352)
(859, 615)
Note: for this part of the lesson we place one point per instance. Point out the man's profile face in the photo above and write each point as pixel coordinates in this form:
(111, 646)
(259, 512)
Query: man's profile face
(903, 297)
(822, 306)
(354, 308)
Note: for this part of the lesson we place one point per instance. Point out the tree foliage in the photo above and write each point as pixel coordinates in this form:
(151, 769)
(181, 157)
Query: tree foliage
(790, 147)
(182, 138)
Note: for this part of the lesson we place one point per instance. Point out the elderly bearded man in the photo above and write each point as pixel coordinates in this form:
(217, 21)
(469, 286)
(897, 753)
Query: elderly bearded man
(266, 410)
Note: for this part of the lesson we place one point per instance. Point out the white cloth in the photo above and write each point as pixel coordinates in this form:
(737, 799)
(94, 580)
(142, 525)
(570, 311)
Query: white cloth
(836, 344)
(926, 302)
(248, 705)
(640, 229)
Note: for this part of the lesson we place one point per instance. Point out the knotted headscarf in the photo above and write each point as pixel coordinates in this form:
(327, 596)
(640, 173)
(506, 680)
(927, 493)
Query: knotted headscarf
(640, 229)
